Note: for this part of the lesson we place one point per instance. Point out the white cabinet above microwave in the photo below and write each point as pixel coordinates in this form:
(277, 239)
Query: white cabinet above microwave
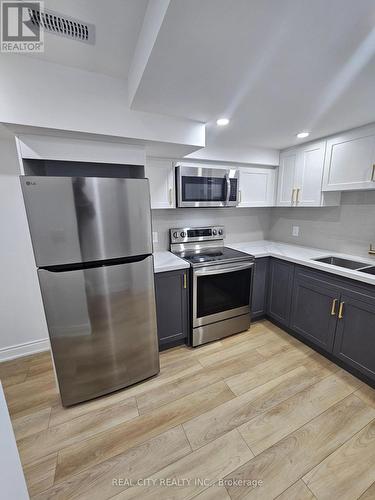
(350, 161)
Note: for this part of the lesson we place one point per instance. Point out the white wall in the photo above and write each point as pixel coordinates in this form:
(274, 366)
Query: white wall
(12, 480)
(21, 313)
(241, 224)
(44, 94)
(250, 154)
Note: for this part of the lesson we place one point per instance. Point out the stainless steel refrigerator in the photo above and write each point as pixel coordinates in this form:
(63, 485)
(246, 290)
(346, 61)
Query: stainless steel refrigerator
(93, 249)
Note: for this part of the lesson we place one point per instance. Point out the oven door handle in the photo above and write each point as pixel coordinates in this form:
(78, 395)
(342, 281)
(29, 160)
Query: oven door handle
(224, 270)
(228, 188)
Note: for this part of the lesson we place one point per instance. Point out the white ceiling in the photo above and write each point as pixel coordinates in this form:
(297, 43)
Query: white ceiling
(273, 67)
(117, 22)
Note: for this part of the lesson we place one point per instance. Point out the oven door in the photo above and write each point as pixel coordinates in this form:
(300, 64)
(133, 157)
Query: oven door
(207, 187)
(221, 292)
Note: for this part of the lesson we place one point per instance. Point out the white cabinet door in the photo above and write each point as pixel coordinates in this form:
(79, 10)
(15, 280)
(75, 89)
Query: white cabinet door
(257, 187)
(350, 161)
(309, 175)
(161, 177)
(286, 182)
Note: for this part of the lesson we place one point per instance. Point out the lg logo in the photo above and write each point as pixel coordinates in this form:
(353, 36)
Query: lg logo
(30, 183)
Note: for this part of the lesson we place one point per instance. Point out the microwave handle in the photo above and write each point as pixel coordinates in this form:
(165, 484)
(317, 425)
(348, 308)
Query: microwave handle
(229, 269)
(228, 188)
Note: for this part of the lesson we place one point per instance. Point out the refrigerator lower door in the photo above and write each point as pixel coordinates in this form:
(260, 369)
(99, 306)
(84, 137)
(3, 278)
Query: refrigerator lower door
(102, 327)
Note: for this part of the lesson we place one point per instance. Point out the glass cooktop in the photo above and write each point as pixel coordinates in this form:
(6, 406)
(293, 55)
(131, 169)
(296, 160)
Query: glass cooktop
(212, 255)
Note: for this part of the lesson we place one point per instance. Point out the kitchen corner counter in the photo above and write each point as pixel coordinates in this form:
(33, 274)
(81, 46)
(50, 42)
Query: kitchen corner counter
(167, 261)
(303, 255)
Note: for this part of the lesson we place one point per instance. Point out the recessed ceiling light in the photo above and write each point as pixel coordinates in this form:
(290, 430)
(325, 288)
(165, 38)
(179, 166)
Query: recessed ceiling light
(222, 122)
(302, 135)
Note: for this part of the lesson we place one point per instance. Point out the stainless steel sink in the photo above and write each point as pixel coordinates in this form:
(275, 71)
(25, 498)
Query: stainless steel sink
(337, 261)
(368, 270)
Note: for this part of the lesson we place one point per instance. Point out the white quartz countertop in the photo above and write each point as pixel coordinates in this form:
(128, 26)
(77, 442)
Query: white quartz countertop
(167, 261)
(304, 256)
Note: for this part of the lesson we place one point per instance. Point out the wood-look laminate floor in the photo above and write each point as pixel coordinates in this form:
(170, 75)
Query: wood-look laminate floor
(256, 415)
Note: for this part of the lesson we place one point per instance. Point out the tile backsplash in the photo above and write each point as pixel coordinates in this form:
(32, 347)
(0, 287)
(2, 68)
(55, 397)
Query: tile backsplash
(349, 228)
(241, 224)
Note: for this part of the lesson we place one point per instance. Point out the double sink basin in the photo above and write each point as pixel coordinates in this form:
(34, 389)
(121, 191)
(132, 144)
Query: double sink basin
(348, 264)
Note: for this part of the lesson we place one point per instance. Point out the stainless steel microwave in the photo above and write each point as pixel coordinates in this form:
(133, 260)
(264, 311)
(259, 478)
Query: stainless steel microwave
(206, 187)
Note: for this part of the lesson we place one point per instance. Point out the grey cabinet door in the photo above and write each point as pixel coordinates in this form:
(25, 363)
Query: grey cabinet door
(260, 280)
(172, 306)
(355, 335)
(315, 306)
(280, 290)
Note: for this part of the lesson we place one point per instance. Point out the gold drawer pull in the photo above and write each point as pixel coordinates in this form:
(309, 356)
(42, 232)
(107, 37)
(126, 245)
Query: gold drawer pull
(341, 310)
(373, 173)
(185, 281)
(297, 195)
(372, 250)
(333, 308)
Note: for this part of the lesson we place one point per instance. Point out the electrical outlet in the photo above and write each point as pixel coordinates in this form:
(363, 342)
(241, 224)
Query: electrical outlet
(295, 231)
(155, 237)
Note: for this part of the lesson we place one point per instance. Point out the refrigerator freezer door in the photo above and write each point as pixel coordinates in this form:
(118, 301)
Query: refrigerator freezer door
(84, 219)
(102, 327)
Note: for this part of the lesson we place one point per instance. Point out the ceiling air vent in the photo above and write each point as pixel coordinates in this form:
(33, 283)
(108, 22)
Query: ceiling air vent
(53, 22)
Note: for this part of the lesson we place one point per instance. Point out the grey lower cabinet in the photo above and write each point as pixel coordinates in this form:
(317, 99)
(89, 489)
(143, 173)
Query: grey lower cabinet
(314, 308)
(355, 334)
(280, 286)
(260, 285)
(172, 307)
(337, 315)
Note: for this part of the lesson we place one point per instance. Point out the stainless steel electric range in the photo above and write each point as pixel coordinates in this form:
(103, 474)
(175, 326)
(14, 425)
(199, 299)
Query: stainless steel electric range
(221, 282)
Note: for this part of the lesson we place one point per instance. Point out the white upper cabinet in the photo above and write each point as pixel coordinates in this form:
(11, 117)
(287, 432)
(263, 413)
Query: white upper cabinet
(301, 177)
(257, 187)
(286, 182)
(350, 161)
(162, 187)
(309, 174)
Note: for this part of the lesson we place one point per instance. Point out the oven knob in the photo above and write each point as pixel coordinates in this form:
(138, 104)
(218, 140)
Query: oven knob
(220, 232)
(214, 232)
(183, 234)
(175, 234)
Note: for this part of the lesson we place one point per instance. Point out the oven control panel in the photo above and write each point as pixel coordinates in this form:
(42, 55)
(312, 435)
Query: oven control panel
(190, 234)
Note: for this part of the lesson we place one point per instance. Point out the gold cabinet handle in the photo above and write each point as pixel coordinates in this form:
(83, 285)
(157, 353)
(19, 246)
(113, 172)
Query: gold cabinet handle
(333, 308)
(341, 310)
(373, 173)
(170, 196)
(297, 195)
(185, 281)
(293, 191)
(371, 250)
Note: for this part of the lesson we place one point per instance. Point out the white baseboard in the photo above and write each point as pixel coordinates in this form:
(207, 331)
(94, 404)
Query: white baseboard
(16, 351)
